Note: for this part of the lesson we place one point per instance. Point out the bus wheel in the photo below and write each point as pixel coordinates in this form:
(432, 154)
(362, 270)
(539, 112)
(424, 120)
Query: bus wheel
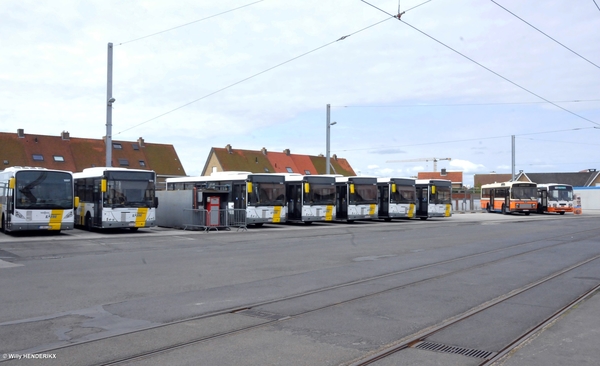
(387, 219)
(260, 224)
(308, 222)
(562, 212)
(504, 211)
(488, 209)
(134, 229)
(2, 225)
(527, 213)
(423, 218)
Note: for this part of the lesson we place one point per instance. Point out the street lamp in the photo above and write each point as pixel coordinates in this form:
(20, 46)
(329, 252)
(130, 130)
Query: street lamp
(328, 127)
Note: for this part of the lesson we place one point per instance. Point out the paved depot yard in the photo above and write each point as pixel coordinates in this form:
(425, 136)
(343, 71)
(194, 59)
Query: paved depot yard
(301, 295)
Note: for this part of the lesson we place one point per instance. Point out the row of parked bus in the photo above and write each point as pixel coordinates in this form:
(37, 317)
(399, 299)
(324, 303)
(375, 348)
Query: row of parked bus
(55, 200)
(97, 198)
(524, 197)
(45, 199)
(276, 198)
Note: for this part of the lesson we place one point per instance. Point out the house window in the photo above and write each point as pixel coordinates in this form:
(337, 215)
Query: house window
(5, 162)
(135, 146)
(117, 146)
(266, 170)
(214, 169)
(38, 157)
(58, 158)
(123, 162)
(307, 172)
(142, 163)
(289, 170)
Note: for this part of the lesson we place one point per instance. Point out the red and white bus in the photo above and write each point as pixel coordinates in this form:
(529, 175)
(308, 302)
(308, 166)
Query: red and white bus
(555, 198)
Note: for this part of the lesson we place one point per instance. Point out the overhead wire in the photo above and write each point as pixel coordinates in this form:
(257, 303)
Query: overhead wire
(398, 17)
(195, 21)
(470, 139)
(537, 29)
(596, 4)
(460, 104)
(254, 75)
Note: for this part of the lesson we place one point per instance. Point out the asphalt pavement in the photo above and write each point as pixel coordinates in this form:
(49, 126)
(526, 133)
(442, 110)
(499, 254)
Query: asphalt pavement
(572, 339)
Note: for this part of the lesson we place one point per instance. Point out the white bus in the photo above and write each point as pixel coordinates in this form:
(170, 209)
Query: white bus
(356, 198)
(310, 198)
(555, 198)
(261, 196)
(36, 199)
(397, 198)
(434, 198)
(115, 198)
(509, 197)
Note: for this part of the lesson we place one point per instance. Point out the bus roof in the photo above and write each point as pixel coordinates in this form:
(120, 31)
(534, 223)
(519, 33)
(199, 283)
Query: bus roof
(405, 181)
(99, 171)
(342, 179)
(434, 181)
(15, 169)
(507, 184)
(224, 176)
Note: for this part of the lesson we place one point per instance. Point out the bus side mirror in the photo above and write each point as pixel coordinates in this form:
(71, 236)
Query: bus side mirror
(103, 186)
(76, 202)
(306, 187)
(432, 189)
(249, 187)
(393, 187)
(352, 188)
(11, 183)
(155, 202)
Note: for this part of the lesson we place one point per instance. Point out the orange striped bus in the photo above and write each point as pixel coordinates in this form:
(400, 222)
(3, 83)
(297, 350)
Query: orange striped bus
(509, 197)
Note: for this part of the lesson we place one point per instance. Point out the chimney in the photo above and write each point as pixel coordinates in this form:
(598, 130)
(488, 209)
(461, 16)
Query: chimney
(228, 148)
(141, 142)
(286, 152)
(443, 171)
(21, 133)
(264, 151)
(334, 157)
(65, 135)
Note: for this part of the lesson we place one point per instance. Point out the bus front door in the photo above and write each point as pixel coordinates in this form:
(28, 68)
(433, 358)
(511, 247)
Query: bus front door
(422, 201)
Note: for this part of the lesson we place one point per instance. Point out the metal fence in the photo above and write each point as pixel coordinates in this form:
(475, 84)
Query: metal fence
(202, 219)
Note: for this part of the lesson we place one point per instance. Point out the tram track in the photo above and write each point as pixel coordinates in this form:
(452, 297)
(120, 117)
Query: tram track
(419, 337)
(240, 310)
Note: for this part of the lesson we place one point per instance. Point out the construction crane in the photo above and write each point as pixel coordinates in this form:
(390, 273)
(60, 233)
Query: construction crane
(435, 160)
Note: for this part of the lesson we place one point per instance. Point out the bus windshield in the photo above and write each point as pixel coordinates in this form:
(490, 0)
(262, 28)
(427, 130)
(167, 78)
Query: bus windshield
(523, 193)
(363, 194)
(560, 194)
(267, 194)
(320, 194)
(442, 195)
(43, 189)
(130, 189)
(403, 195)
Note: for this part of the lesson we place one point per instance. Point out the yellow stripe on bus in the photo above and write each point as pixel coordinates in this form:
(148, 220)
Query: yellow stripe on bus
(372, 209)
(140, 217)
(329, 213)
(55, 219)
(411, 211)
(277, 214)
(447, 213)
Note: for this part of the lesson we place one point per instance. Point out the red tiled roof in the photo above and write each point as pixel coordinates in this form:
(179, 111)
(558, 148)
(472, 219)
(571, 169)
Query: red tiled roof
(78, 153)
(261, 161)
(454, 177)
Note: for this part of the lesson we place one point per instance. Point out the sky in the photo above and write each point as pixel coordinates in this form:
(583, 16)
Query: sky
(451, 80)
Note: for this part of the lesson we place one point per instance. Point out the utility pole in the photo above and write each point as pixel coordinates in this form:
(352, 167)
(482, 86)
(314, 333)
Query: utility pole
(109, 101)
(327, 144)
(513, 157)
